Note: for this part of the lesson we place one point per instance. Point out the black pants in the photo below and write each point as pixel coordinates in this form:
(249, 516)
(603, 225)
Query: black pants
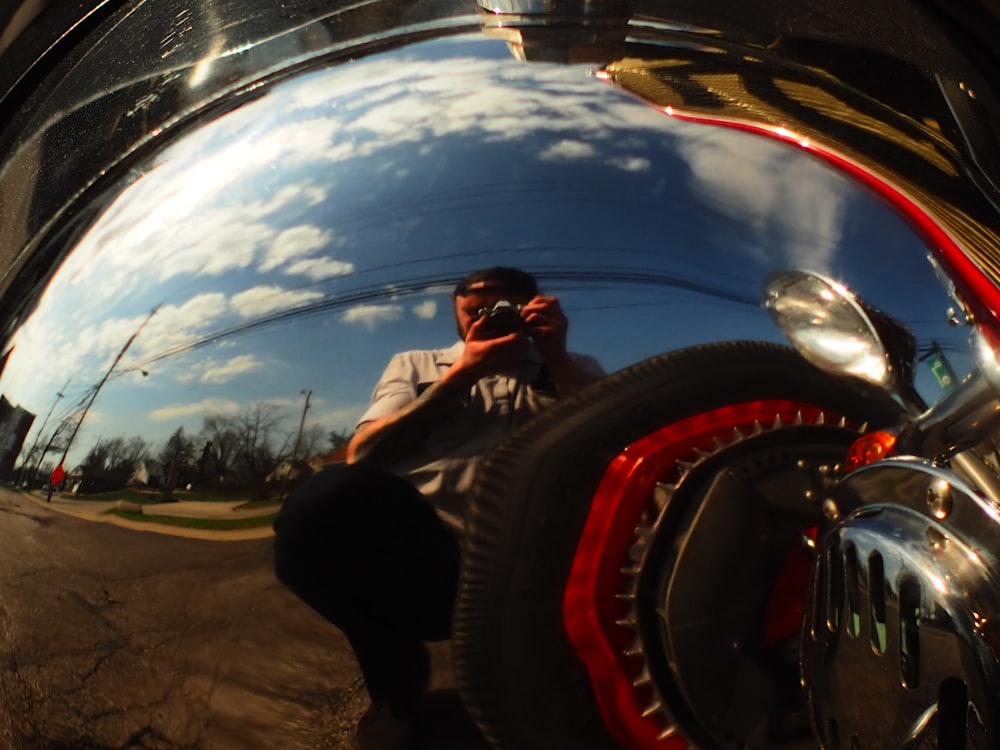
(367, 551)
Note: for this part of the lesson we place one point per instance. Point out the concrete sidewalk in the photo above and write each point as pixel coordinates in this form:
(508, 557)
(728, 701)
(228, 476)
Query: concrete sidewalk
(97, 510)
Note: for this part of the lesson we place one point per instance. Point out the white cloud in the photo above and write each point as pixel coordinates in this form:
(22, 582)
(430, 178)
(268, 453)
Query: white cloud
(221, 372)
(292, 244)
(204, 407)
(426, 309)
(384, 104)
(567, 150)
(211, 205)
(134, 244)
(373, 315)
(261, 300)
(318, 269)
(88, 350)
(211, 245)
(631, 163)
(770, 187)
(296, 193)
(174, 326)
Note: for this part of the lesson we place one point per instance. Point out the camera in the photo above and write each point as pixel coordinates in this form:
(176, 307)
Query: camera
(501, 319)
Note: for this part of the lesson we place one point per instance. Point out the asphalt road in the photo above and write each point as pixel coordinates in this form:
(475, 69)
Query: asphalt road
(112, 637)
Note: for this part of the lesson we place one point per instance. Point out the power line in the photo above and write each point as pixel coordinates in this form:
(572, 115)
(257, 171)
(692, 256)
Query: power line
(97, 390)
(420, 284)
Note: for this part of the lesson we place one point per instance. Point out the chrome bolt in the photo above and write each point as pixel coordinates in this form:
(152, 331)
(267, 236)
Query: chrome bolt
(830, 510)
(939, 500)
(936, 540)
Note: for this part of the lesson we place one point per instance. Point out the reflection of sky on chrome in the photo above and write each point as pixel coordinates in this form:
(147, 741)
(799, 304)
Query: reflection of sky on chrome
(770, 189)
(337, 180)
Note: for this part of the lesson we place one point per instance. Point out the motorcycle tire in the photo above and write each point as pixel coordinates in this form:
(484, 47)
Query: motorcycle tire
(635, 567)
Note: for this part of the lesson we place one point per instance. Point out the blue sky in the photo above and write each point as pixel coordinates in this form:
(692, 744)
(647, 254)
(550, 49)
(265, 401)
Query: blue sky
(298, 241)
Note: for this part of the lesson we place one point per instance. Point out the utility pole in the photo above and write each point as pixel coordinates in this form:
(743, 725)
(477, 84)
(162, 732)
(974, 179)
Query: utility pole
(41, 431)
(295, 450)
(97, 390)
(48, 446)
(302, 423)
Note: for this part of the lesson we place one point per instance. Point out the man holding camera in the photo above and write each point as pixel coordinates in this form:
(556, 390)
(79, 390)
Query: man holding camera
(373, 545)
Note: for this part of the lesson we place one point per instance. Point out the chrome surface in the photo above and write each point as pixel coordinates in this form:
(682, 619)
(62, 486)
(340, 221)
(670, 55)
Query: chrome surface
(903, 614)
(218, 220)
(844, 335)
(828, 326)
(986, 356)
(966, 415)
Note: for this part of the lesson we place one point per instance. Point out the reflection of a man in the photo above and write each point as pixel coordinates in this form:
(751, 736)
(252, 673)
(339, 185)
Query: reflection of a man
(373, 545)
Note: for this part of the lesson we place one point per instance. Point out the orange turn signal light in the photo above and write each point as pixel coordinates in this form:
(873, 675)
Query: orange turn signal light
(869, 448)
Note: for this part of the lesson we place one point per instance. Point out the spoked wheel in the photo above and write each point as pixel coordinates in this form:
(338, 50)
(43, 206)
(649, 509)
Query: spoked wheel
(637, 562)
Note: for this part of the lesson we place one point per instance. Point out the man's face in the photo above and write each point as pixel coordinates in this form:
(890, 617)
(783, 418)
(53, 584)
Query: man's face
(467, 306)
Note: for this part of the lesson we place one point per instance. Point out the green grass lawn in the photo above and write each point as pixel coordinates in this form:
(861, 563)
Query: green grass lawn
(132, 496)
(216, 524)
(148, 497)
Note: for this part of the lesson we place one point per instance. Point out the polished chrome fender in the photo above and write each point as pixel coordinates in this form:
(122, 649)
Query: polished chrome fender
(219, 220)
(903, 613)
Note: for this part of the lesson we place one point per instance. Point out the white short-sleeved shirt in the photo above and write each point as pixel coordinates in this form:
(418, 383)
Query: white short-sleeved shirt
(443, 465)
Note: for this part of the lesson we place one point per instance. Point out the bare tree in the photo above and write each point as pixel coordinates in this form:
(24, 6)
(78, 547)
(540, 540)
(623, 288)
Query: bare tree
(135, 452)
(96, 460)
(117, 455)
(221, 442)
(339, 438)
(176, 457)
(111, 462)
(256, 426)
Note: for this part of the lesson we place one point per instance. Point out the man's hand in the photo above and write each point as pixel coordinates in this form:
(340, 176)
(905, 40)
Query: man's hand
(483, 356)
(547, 325)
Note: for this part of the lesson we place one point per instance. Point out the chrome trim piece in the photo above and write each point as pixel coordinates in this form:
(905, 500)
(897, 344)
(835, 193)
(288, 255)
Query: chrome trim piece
(903, 613)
